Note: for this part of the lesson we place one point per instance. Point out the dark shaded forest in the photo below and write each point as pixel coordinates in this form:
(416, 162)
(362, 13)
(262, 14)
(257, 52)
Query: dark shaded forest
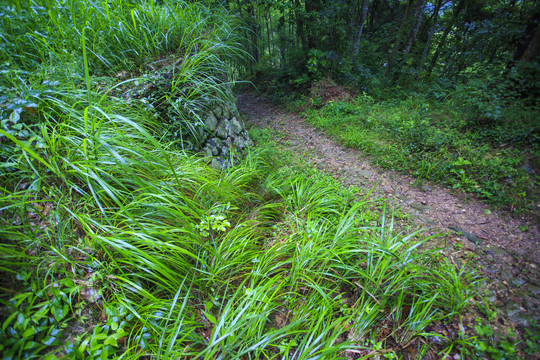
(435, 46)
(465, 73)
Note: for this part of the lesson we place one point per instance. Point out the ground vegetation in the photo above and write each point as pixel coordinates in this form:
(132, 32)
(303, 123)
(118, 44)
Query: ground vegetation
(117, 240)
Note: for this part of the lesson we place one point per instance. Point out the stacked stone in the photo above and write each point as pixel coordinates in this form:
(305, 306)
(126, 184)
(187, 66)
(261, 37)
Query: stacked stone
(225, 136)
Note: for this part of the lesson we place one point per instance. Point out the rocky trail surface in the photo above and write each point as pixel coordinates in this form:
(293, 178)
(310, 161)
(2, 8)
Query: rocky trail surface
(505, 249)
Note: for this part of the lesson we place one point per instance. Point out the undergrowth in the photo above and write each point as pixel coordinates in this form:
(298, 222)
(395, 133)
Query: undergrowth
(151, 252)
(439, 142)
(117, 244)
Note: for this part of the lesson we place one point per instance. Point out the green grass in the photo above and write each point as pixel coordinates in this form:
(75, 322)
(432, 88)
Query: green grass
(184, 52)
(439, 142)
(116, 243)
(289, 267)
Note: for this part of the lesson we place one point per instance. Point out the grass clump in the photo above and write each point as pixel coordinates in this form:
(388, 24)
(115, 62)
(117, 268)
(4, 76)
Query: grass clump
(151, 252)
(438, 142)
(117, 244)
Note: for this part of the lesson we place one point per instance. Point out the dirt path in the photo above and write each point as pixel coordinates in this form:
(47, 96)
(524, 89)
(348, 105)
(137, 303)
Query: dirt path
(505, 254)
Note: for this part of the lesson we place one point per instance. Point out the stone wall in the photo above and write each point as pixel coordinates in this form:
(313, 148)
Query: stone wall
(225, 136)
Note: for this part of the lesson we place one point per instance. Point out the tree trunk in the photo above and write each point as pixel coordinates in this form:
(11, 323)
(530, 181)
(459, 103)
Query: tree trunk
(266, 16)
(310, 8)
(360, 26)
(416, 25)
(254, 34)
(533, 47)
(458, 10)
(430, 35)
(397, 43)
(300, 35)
(372, 13)
(458, 58)
(522, 52)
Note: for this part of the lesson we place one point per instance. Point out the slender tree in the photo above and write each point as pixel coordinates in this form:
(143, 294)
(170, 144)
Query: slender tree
(299, 17)
(397, 43)
(529, 43)
(360, 26)
(432, 28)
(419, 7)
(442, 42)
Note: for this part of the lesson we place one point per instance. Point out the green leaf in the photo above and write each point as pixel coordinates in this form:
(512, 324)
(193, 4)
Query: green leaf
(8, 321)
(104, 354)
(60, 313)
(15, 117)
(111, 341)
(99, 336)
(32, 345)
(210, 317)
(29, 332)
(83, 346)
(51, 340)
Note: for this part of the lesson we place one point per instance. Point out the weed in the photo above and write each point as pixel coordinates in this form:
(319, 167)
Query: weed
(127, 247)
(429, 142)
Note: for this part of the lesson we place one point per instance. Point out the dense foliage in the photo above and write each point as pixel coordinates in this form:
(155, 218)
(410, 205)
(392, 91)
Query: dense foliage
(433, 141)
(368, 43)
(116, 243)
(470, 69)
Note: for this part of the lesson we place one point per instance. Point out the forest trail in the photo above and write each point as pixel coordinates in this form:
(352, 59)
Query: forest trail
(505, 249)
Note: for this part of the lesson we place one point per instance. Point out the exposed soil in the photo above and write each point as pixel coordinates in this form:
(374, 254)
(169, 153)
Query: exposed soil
(503, 247)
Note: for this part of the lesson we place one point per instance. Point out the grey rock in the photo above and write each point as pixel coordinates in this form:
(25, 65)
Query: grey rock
(222, 136)
(218, 111)
(215, 145)
(236, 126)
(245, 135)
(240, 142)
(402, 197)
(365, 173)
(517, 282)
(207, 151)
(517, 314)
(496, 250)
(532, 290)
(470, 236)
(419, 206)
(427, 220)
(506, 274)
(527, 168)
(217, 164)
(232, 133)
(211, 122)
(220, 163)
(223, 129)
(491, 296)
(227, 112)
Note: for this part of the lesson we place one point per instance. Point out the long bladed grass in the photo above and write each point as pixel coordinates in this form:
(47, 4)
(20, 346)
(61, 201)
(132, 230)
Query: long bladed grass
(108, 227)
